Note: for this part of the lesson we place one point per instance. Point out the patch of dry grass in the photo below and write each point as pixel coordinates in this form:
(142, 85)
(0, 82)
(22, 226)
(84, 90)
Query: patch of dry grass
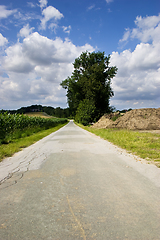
(38, 114)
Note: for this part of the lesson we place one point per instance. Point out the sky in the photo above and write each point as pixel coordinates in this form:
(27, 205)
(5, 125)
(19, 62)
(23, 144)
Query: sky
(40, 39)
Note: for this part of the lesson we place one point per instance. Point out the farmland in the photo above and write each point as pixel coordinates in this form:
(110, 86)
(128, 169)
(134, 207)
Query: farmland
(13, 126)
(18, 131)
(38, 114)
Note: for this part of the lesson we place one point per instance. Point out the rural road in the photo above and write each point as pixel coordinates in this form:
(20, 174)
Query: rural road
(73, 185)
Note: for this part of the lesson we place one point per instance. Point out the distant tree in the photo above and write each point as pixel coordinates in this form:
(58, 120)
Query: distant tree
(56, 112)
(90, 83)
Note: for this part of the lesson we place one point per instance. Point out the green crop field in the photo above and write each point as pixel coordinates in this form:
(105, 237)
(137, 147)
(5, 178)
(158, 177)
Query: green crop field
(15, 129)
(13, 124)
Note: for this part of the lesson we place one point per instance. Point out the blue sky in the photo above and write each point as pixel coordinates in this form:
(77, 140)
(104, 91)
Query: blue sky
(40, 39)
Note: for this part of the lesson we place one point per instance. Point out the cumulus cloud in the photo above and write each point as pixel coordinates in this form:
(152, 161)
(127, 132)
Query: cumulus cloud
(31, 69)
(35, 69)
(3, 40)
(25, 31)
(43, 3)
(50, 13)
(42, 51)
(4, 13)
(147, 29)
(138, 78)
(15, 60)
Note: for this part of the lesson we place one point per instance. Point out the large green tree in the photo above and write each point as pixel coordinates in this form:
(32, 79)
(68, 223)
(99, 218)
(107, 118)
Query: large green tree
(90, 83)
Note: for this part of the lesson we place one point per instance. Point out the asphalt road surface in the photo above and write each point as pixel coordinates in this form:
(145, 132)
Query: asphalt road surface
(73, 185)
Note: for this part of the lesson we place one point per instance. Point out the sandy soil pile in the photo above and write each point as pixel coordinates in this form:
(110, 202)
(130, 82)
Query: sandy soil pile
(105, 120)
(136, 119)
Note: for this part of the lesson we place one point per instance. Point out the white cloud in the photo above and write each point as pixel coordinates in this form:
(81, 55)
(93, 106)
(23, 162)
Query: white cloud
(91, 7)
(108, 1)
(4, 13)
(67, 29)
(15, 60)
(50, 13)
(25, 31)
(126, 35)
(147, 22)
(30, 4)
(3, 40)
(43, 3)
(35, 69)
(53, 27)
(138, 78)
(147, 29)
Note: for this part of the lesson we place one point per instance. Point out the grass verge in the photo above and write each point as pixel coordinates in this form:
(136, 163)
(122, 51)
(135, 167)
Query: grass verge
(144, 145)
(7, 150)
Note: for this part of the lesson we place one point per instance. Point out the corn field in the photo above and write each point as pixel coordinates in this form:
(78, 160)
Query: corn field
(10, 123)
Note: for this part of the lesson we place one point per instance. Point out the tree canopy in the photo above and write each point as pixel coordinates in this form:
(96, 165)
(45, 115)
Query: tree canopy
(89, 87)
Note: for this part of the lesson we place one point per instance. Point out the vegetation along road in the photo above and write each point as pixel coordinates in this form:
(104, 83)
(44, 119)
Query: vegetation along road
(73, 185)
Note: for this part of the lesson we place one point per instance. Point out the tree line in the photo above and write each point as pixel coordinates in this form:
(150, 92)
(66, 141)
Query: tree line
(56, 112)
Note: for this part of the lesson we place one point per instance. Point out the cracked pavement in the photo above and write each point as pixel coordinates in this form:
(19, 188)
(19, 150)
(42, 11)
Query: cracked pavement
(75, 185)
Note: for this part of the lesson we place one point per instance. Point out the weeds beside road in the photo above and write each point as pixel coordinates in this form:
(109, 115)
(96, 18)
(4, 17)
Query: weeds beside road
(143, 144)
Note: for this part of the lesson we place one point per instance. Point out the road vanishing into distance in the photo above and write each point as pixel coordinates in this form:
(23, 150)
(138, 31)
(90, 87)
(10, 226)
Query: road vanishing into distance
(74, 185)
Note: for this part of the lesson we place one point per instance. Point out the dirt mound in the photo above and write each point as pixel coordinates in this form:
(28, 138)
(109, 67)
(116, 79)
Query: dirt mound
(136, 119)
(106, 120)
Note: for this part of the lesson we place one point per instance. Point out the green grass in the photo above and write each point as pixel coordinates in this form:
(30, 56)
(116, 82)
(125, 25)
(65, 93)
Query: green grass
(7, 150)
(144, 145)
